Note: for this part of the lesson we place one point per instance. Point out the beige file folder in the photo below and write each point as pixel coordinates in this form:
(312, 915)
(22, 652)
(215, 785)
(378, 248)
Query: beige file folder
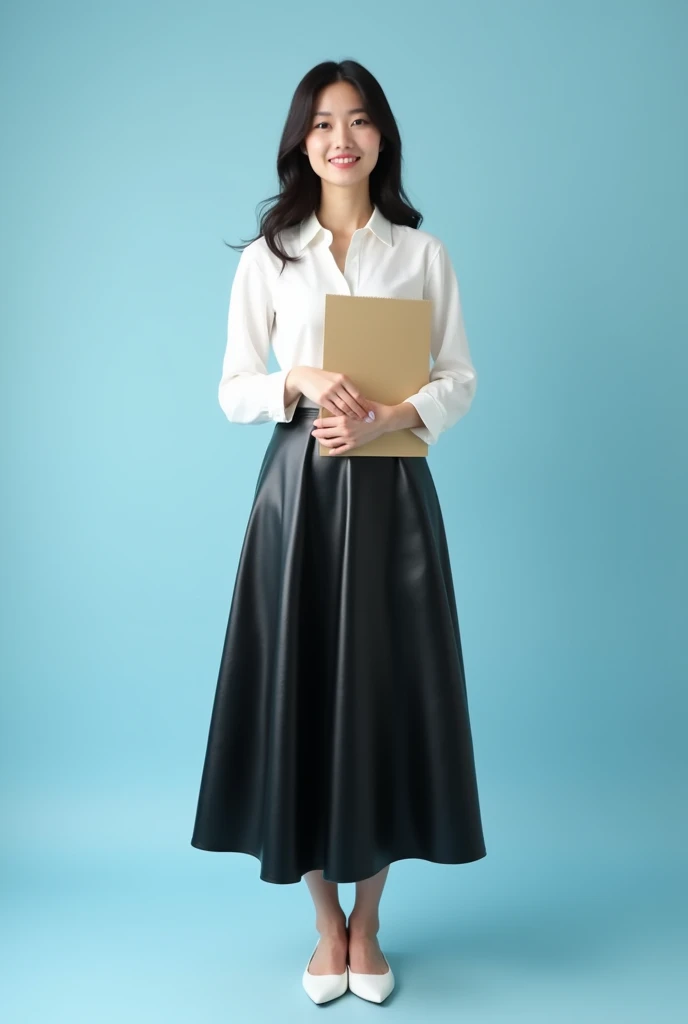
(383, 346)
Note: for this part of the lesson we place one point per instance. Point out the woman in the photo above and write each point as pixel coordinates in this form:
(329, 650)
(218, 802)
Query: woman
(339, 738)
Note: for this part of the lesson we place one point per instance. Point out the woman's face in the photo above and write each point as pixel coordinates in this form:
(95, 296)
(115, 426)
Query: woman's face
(340, 126)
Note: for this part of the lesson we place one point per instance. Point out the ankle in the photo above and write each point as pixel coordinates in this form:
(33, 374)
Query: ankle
(331, 925)
(363, 926)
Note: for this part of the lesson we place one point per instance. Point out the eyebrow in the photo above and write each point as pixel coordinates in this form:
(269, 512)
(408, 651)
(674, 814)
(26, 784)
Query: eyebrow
(328, 113)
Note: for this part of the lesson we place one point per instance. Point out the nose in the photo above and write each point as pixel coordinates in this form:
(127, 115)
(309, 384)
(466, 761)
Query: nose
(343, 137)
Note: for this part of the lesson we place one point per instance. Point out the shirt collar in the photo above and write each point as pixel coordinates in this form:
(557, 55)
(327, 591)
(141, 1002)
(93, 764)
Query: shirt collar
(377, 223)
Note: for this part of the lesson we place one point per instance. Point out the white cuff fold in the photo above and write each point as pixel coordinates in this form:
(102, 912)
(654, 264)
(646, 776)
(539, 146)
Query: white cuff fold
(432, 415)
(275, 397)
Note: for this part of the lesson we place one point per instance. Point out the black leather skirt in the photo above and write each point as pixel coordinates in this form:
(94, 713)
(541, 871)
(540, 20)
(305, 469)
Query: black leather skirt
(339, 736)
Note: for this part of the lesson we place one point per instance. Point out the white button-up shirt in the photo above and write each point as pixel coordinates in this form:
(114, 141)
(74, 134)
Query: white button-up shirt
(287, 311)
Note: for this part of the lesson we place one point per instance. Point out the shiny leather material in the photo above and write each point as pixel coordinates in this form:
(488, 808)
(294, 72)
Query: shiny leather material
(324, 987)
(373, 987)
(340, 736)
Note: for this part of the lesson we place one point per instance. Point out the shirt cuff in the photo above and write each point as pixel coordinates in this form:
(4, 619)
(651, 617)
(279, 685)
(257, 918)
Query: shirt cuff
(277, 409)
(432, 415)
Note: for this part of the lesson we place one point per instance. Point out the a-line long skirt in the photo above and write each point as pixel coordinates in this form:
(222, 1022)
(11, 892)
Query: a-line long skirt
(339, 735)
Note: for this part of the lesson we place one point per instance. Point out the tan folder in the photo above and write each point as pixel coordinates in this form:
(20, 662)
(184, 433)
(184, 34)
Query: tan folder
(383, 346)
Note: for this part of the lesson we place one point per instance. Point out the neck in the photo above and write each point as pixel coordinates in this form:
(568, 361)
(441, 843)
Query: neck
(343, 210)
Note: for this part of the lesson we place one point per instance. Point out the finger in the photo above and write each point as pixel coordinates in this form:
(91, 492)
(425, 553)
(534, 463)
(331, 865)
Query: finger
(336, 410)
(331, 407)
(345, 405)
(353, 395)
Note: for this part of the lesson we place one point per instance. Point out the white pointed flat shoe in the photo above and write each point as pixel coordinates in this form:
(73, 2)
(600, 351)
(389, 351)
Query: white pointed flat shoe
(323, 987)
(373, 987)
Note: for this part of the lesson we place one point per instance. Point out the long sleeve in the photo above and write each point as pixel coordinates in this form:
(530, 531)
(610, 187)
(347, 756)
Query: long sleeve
(247, 392)
(453, 378)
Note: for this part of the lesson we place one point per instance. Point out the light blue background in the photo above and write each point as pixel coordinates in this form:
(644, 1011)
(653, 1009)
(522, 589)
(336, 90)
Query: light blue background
(545, 143)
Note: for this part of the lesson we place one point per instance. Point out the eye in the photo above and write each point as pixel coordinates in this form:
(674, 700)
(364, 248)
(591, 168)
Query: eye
(327, 122)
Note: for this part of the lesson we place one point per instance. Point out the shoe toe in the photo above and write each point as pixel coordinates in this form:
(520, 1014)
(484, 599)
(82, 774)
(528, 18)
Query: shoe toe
(373, 987)
(323, 987)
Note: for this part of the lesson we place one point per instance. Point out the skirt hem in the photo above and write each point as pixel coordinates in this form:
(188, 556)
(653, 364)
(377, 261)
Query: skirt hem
(470, 859)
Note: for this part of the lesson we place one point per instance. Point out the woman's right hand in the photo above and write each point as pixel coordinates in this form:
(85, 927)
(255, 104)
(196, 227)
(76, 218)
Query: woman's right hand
(333, 391)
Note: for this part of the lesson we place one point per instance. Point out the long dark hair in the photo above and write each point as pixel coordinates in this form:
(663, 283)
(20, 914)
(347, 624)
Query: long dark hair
(299, 193)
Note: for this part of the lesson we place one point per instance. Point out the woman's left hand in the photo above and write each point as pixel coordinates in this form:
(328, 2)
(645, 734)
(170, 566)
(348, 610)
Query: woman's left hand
(342, 433)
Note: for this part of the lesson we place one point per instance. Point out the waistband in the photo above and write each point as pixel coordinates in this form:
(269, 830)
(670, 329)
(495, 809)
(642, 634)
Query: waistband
(306, 411)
